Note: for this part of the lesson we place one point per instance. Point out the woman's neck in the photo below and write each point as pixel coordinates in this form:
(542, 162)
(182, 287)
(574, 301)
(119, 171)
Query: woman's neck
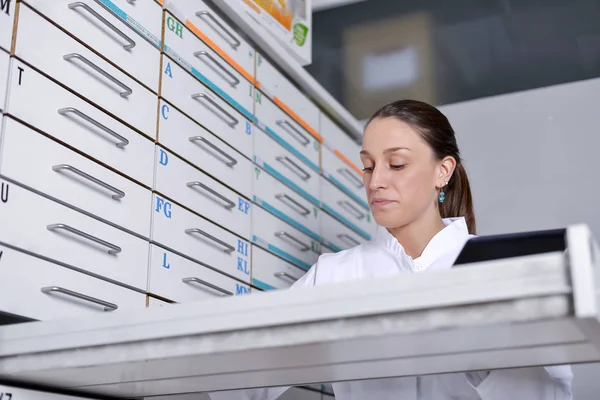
(415, 236)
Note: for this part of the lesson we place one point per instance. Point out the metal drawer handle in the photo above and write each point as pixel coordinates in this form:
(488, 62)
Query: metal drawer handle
(112, 249)
(345, 172)
(230, 204)
(285, 275)
(294, 167)
(232, 121)
(193, 279)
(291, 239)
(131, 1)
(118, 194)
(122, 140)
(131, 43)
(231, 161)
(227, 247)
(203, 53)
(234, 43)
(57, 289)
(348, 239)
(126, 90)
(296, 134)
(285, 199)
(352, 209)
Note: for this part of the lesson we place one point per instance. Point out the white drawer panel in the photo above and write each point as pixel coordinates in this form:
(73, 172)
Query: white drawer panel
(270, 272)
(144, 16)
(179, 279)
(108, 33)
(286, 95)
(155, 303)
(276, 236)
(4, 68)
(215, 32)
(203, 149)
(39, 289)
(26, 394)
(285, 166)
(197, 238)
(196, 100)
(41, 226)
(285, 203)
(344, 177)
(346, 210)
(54, 110)
(335, 137)
(336, 235)
(283, 129)
(208, 67)
(52, 51)
(7, 18)
(56, 171)
(201, 193)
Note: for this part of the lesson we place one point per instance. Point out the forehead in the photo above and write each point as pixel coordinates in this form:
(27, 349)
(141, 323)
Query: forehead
(385, 133)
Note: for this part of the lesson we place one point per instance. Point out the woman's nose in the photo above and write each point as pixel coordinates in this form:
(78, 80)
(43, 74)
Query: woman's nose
(378, 179)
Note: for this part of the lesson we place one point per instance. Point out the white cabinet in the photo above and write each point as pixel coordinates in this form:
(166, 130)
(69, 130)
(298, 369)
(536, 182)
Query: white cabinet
(7, 18)
(270, 272)
(4, 68)
(336, 138)
(343, 176)
(55, 53)
(38, 289)
(336, 235)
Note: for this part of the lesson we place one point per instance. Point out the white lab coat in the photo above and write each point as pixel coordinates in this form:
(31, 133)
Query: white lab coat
(383, 256)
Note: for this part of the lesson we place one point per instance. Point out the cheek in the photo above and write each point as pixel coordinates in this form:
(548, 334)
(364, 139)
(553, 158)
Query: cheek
(414, 186)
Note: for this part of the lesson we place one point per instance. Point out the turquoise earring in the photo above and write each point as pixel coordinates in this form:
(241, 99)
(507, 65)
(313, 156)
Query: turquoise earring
(442, 195)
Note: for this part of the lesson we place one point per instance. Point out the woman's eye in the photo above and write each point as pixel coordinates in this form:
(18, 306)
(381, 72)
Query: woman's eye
(397, 166)
(367, 169)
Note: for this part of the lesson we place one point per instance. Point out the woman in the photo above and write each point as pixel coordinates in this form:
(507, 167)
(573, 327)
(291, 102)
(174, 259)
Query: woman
(420, 197)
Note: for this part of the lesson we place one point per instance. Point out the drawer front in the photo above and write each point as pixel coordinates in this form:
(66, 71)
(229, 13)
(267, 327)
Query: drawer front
(56, 54)
(215, 32)
(347, 149)
(283, 129)
(197, 58)
(199, 192)
(203, 149)
(4, 68)
(285, 166)
(286, 204)
(155, 303)
(336, 235)
(179, 279)
(199, 239)
(54, 110)
(346, 210)
(7, 18)
(200, 103)
(287, 96)
(325, 249)
(270, 272)
(41, 226)
(42, 290)
(276, 236)
(104, 28)
(56, 171)
(344, 177)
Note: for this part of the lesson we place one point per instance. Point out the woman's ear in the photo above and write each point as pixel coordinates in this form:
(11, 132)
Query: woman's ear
(445, 170)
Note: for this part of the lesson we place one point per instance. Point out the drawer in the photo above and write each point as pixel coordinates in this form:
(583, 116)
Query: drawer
(215, 32)
(287, 96)
(199, 239)
(203, 149)
(7, 18)
(58, 172)
(4, 68)
(179, 279)
(200, 103)
(336, 235)
(280, 238)
(41, 226)
(27, 394)
(54, 110)
(344, 177)
(199, 192)
(197, 58)
(42, 290)
(286, 204)
(270, 272)
(325, 249)
(284, 130)
(285, 166)
(47, 48)
(346, 148)
(107, 29)
(155, 303)
(346, 210)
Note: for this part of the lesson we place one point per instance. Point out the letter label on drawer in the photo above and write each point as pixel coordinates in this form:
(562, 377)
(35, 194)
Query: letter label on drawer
(6, 8)
(243, 205)
(20, 74)
(175, 26)
(168, 71)
(242, 262)
(239, 289)
(164, 158)
(248, 128)
(4, 192)
(165, 264)
(164, 111)
(163, 207)
(6, 395)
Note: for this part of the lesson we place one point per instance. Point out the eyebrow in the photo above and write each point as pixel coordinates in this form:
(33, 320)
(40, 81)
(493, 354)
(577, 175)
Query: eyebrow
(386, 151)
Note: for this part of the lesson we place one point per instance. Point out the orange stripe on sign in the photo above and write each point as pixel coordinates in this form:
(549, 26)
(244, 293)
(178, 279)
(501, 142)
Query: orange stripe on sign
(350, 163)
(162, 2)
(252, 6)
(298, 119)
(217, 49)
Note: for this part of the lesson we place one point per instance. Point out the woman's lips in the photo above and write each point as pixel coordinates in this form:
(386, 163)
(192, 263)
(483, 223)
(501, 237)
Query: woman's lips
(379, 203)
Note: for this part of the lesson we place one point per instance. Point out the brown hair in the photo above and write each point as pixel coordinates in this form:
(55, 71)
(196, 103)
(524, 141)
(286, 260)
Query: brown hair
(436, 130)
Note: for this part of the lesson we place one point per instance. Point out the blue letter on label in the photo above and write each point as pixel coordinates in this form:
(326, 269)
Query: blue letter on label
(239, 289)
(164, 111)
(242, 265)
(248, 128)
(164, 158)
(243, 205)
(242, 248)
(165, 206)
(165, 264)
(168, 70)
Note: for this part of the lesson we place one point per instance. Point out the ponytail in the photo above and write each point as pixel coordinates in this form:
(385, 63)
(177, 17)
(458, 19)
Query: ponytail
(458, 202)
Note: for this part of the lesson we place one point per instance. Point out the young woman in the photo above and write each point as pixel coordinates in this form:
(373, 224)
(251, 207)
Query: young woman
(420, 197)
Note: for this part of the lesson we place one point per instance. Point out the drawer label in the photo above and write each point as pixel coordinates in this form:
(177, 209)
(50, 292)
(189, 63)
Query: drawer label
(175, 26)
(163, 207)
(4, 192)
(241, 289)
(243, 205)
(6, 395)
(168, 71)
(242, 259)
(165, 264)
(163, 157)
(5, 4)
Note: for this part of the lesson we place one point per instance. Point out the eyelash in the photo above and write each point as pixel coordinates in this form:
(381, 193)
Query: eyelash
(396, 167)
